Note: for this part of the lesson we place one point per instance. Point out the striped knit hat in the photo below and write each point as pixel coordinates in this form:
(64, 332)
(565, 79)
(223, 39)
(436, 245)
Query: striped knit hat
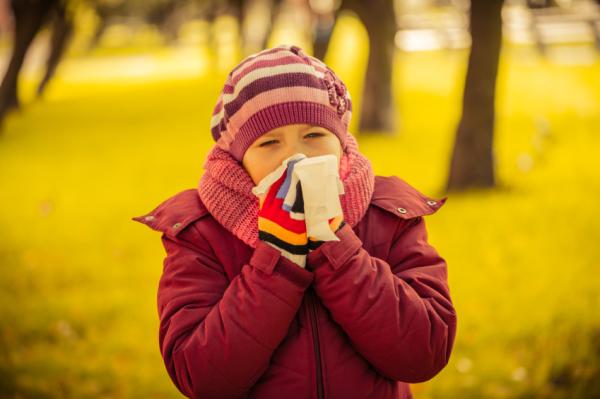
(276, 87)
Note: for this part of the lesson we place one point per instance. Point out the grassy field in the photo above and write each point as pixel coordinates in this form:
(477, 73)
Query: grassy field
(78, 286)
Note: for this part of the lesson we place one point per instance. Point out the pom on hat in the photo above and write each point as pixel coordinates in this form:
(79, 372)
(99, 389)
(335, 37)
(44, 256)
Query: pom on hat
(277, 87)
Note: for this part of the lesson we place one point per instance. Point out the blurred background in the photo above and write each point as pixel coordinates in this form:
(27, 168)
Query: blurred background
(105, 111)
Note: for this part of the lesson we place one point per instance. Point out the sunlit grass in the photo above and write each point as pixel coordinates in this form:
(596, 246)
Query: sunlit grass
(78, 311)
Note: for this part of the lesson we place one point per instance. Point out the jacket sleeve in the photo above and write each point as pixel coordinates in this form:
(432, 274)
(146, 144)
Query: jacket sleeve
(397, 312)
(216, 337)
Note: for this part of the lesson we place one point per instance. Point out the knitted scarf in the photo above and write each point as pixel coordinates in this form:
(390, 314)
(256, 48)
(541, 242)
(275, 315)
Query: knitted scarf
(225, 189)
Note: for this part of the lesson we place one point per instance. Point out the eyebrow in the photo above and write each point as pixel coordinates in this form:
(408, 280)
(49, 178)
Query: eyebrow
(278, 132)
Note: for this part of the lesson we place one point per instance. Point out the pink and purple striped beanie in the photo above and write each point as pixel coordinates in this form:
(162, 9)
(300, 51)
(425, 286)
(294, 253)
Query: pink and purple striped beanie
(276, 87)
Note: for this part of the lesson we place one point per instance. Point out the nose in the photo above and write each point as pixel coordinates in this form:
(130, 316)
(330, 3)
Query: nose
(296, 147)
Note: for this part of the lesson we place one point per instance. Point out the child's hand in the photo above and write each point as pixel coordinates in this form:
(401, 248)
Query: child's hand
(275, 224)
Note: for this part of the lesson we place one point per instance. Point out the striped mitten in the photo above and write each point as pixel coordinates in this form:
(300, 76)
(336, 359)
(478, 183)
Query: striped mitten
(275, 223)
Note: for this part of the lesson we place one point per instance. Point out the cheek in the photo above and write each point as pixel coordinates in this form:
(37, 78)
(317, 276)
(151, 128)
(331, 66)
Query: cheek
(262, 167)
(334, 147)
(263, 171)
(252, 165)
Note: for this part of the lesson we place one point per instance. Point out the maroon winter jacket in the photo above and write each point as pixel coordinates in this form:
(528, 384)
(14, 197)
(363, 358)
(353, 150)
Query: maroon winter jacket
(369, 314)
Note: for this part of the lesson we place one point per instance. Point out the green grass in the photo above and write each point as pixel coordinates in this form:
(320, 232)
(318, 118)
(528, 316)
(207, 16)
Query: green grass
(78, 311)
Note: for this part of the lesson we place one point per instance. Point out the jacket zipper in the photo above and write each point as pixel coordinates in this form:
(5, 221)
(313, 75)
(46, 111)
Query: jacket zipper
(315, 332)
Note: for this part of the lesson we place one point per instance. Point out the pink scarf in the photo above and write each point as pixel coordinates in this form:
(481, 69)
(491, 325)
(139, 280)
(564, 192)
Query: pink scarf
(225, 189)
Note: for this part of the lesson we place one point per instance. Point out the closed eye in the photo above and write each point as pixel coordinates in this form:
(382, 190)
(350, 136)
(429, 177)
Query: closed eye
(310, 135)
(317, 134)
(266, 143)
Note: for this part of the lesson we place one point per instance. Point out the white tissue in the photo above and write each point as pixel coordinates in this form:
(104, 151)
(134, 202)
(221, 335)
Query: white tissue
(321, 188)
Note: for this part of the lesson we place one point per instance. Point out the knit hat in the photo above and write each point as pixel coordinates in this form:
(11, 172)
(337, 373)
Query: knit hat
(276, 87)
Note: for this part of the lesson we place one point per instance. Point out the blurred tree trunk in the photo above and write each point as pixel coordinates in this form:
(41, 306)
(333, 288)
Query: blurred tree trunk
(236, 9)
(378, 16)
(473, 160)
(29, 16)
(323, 30)
(62, 30)
(275, 9)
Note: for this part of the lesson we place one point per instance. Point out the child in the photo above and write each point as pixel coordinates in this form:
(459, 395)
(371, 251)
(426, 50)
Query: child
(250, 305)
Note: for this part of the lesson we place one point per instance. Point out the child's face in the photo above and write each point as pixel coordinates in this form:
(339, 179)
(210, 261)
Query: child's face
(268, 151)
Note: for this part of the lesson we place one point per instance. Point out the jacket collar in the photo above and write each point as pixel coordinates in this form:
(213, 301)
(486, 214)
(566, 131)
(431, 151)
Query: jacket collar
(396, 196)
(390, 193)
(175, 213)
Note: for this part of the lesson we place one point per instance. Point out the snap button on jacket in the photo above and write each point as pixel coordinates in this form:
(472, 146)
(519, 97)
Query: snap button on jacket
(368, 315)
